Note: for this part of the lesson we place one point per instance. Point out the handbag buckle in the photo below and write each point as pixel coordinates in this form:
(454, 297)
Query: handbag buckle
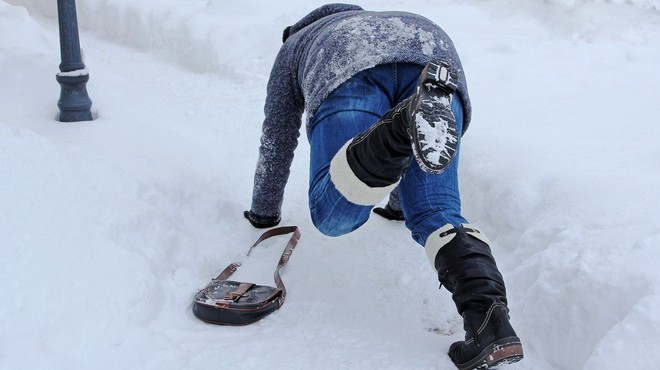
(236, 296)
(240, 292)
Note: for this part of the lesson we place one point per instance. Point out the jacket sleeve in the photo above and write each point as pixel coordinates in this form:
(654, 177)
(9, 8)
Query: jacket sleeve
(280, 131)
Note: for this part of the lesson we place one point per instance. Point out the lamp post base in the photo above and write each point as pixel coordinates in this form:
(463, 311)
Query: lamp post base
(75, 104)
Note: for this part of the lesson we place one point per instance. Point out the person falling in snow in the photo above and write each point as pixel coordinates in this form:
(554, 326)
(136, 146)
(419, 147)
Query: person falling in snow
(386, 103)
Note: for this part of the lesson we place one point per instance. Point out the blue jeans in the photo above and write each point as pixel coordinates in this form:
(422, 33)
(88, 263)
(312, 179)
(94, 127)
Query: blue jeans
(428, 201)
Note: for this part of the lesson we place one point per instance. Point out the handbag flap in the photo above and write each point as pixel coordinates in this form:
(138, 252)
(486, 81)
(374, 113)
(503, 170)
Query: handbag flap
(234, 294)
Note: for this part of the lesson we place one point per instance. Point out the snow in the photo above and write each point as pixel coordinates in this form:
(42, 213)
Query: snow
(76, 73)
(108, 228)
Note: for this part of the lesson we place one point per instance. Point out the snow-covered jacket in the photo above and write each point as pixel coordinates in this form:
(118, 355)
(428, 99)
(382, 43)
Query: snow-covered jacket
(319, 53)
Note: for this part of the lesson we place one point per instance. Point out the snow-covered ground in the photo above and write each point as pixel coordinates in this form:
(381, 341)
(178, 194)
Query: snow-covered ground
(108, 228)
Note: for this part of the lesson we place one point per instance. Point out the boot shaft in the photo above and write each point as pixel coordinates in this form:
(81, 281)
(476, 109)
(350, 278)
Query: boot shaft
(379, 155)
(466, 267)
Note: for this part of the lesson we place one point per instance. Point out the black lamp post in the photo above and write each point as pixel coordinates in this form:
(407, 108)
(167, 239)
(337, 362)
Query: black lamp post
(75, 105)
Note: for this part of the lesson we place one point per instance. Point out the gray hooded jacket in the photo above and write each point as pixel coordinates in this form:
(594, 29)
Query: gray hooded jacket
(320, 52)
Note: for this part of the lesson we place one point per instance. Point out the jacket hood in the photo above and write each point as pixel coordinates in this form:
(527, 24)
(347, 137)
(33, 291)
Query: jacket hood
(315, 15)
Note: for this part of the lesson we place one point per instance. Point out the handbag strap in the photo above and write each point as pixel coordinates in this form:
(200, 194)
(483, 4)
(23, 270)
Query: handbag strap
(293, 241)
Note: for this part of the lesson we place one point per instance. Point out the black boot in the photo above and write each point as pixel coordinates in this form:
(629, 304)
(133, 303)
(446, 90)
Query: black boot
(379, 155)
(422, 125)
(467, 269)
(433, 127)
(489, 340)
(367, 168)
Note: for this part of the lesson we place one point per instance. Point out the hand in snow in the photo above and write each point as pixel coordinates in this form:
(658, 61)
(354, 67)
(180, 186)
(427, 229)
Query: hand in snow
(261, 222)
(389, 213)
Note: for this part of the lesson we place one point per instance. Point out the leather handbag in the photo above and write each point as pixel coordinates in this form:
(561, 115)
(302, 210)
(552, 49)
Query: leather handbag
(227, 302)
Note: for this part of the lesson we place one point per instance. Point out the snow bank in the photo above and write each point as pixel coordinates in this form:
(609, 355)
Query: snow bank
(192, 33)
(645, 4)
(569, 193)
(19, 31)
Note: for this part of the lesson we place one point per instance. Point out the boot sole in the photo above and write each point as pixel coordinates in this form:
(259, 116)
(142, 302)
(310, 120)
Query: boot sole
(434, 131)
(502, 352)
